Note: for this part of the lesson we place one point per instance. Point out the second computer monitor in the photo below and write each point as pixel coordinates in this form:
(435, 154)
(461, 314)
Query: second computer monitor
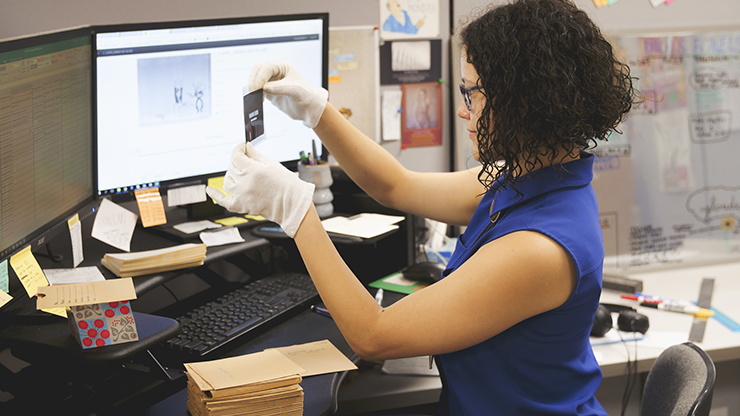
(169, 95)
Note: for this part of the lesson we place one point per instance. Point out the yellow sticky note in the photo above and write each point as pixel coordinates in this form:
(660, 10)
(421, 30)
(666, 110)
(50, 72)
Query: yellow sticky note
(31, 276)
(255, 217)
(217, 183)
(348, 66)
(335, 79)
(28, 270)
(151, 208)
(231, 221)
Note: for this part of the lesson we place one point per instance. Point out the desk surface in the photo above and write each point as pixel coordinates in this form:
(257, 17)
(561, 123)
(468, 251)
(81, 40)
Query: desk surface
(719, 341)
(372, 390)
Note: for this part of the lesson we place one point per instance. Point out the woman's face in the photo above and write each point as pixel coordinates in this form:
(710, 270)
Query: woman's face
(470, 79)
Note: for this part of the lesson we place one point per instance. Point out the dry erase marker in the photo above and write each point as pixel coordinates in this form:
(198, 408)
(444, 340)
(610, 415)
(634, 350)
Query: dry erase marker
(688, 309)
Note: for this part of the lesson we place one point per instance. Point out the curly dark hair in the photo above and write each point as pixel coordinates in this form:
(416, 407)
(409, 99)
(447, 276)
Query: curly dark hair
(551, 83)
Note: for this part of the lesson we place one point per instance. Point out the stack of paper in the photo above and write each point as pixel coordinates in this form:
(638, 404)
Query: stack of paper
(155, 261)
(264, 383)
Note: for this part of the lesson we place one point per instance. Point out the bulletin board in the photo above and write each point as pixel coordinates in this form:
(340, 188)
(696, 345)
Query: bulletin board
(354, 80)
(669, 186)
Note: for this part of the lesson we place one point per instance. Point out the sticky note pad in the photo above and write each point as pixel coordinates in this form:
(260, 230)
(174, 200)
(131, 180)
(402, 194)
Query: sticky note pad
(217, 183)
(4, 276)
(255, 217)
(28, 270)
(231, 221)
(151, 207)
(31, 276)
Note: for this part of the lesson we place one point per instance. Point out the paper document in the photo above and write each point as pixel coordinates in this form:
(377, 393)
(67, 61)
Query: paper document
(319, 357)
(245, 369)
(78, 275)
(228, 235)
(75, 234)
(113, 290)
(362, 225)
(114, 225)
(4, 298)
(186, 195)
(195, 226)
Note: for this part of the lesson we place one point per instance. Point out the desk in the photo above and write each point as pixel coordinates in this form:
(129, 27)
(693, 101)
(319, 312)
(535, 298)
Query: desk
(372, 390)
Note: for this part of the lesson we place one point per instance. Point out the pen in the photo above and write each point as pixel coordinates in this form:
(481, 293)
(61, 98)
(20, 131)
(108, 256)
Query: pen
(320, 310)
(313, 149)
(304, 159)
(379, 297)
(658, 299)
(688, 309)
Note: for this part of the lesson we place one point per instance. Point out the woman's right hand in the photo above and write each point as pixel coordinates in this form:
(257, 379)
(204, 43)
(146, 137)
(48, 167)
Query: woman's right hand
(286, 88)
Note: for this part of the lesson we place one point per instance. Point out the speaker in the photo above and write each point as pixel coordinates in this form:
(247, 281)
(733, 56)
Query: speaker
(629, 319)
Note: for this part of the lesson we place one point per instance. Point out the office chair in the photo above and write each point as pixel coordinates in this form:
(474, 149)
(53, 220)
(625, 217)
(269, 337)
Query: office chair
(680, 383)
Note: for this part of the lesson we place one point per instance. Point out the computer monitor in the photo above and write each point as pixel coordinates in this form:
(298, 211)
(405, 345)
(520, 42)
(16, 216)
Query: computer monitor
(169, 96)
(46, 157)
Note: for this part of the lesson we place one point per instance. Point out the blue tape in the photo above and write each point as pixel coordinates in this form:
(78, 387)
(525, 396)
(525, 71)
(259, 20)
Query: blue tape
(726, 321)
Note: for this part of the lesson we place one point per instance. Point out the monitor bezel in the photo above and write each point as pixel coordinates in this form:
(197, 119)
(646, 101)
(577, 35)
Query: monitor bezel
(177, 24)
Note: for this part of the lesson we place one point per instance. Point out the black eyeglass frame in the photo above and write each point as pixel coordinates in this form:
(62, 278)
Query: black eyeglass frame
(465, 91)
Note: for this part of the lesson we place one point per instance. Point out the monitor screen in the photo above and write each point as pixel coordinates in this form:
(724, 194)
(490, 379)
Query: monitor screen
(46, 157)
(169, 106)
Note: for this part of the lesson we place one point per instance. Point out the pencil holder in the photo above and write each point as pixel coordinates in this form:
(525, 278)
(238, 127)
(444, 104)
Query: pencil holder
(319, 174)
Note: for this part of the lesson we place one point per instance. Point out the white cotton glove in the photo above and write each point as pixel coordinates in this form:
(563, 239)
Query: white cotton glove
(286, 88)
(260, 186)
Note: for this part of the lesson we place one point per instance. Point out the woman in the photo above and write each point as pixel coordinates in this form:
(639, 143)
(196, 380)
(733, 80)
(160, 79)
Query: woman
(509, 322)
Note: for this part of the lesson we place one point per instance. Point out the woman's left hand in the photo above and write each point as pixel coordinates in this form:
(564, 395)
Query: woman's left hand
(260, 186)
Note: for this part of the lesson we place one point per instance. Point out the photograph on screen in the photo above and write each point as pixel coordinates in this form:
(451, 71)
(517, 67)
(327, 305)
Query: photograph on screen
(174, 88)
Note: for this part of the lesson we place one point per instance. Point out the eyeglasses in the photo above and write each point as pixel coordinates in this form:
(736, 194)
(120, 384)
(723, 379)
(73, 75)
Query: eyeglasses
(465, 91)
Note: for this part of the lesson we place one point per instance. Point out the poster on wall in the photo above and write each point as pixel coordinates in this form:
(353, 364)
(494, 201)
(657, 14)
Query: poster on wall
(409, 19)
(421, 115)
(669, 186)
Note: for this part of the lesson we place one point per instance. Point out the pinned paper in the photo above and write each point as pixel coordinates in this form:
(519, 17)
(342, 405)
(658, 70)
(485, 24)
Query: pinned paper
(391, 115)
(76, 294)
(78, 275)
(31, 276)
(4, 276)
(218, 238)
(230, 221)
(151, 207)
(195, 226)
(114, 225)
(75, 234)
(186, 195)
(4, 298)
(217, 183)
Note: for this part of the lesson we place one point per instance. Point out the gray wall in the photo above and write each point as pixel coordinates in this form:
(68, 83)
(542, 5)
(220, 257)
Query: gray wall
(24, 17)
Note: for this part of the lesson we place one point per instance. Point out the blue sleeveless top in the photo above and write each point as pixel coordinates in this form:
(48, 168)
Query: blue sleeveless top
(544, 364)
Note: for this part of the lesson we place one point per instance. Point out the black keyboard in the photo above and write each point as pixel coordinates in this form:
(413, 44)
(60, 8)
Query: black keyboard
(235, 314)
